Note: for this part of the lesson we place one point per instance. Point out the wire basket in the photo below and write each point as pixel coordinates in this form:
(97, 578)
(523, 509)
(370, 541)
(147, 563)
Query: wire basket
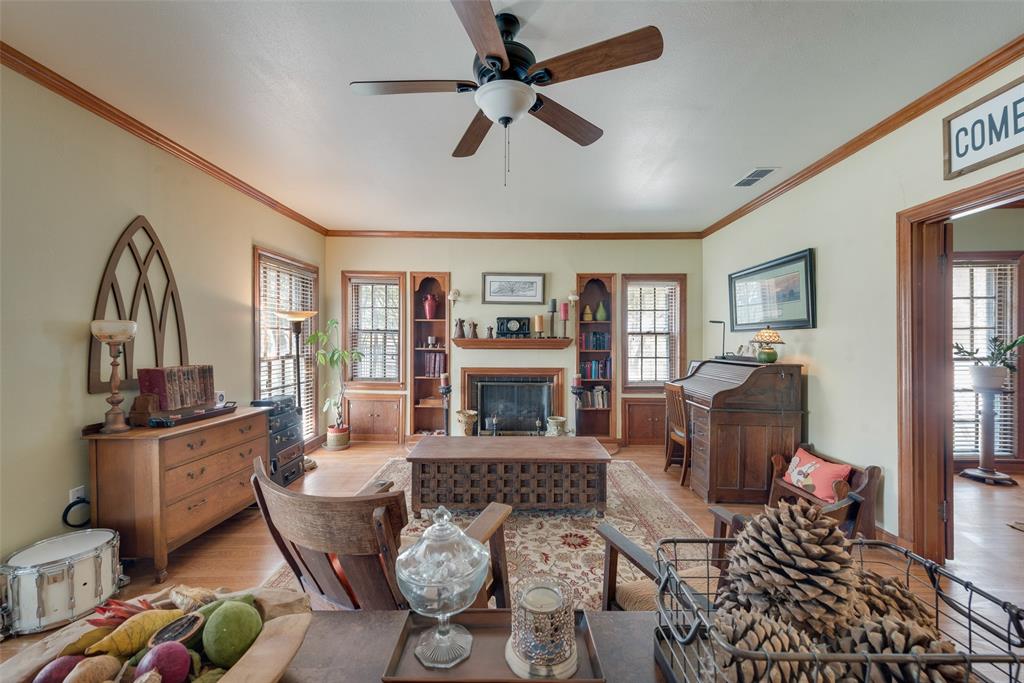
(988, 632)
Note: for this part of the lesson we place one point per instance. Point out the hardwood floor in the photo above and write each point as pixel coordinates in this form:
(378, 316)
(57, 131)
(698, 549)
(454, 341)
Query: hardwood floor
(239, 553)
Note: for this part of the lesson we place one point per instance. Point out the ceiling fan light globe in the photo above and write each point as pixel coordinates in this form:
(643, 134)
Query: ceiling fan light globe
(505, 101)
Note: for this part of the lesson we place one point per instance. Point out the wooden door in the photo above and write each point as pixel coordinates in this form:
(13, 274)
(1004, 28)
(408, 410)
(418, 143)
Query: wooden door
(644, 421)
(387, 419)
(375, 417)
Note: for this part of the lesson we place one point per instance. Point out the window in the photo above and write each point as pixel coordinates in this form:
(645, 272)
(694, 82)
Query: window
(284, 284)
(986, 304)
(374, 326)
(653, 329)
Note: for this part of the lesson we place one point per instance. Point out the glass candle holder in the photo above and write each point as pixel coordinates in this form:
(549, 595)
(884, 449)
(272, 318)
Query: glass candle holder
(543, 641)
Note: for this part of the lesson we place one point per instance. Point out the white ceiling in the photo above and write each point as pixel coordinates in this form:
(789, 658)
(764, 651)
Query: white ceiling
(261, 89)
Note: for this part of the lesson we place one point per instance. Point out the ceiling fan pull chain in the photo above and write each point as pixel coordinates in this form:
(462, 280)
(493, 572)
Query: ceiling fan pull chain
(506, 156)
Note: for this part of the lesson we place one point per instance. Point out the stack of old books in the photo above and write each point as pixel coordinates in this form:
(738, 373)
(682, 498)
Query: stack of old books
(180, 386)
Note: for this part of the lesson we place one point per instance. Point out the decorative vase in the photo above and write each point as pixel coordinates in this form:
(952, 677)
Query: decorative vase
(460, 329)
(472, 331)
(602, 313)
(337, 438)
(429, 306)
(588, 315)
(767, 355)
(988, 377)
(556, 426)
(466, 419)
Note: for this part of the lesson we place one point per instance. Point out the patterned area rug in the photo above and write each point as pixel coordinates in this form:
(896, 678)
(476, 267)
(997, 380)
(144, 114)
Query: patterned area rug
(562, 543)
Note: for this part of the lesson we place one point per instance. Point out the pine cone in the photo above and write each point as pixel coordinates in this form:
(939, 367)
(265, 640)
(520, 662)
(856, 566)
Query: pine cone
(751, 631)
(885, 596)
(883, 635)
(793, 563)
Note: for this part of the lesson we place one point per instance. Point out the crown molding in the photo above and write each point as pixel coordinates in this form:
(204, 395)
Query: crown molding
(46, 77)
(973, 74)
(510, 235)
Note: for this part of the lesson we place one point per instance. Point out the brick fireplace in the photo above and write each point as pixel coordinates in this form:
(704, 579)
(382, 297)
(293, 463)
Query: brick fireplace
(516, 397)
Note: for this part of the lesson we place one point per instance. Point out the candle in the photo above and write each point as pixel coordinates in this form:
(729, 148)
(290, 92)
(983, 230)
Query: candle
(577, 380)
(538, 323)
(553, 306)
(564, 311)
(542, 599)
(444, 379)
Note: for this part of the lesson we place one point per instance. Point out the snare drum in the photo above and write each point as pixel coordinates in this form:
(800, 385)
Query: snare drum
(56, 581)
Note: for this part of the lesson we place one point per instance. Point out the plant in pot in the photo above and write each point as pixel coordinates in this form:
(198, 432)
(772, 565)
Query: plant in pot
(990, 371)
(329, 354)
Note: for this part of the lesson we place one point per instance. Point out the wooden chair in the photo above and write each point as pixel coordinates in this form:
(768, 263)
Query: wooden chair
(675, 429)
(343, 550)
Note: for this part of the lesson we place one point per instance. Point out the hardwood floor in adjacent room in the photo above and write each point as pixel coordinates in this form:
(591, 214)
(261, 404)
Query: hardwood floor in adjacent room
(239, 553)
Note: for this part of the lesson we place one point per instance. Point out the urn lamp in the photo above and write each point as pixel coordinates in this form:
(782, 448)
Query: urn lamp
(114, 333)
(766, 340)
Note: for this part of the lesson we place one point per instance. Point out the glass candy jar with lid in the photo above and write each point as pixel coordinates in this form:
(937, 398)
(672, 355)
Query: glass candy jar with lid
(440, 576)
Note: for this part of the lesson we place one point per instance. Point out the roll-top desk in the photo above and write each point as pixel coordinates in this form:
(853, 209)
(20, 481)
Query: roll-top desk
(740, 415)
(160, 488)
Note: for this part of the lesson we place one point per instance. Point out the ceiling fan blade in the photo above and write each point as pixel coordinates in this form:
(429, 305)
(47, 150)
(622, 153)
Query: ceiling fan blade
(477, 17)
(572, 126)
(407, 87)
(634, 47)
(473, 136)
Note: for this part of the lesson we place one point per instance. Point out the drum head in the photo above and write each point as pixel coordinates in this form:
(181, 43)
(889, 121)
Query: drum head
(61, 548)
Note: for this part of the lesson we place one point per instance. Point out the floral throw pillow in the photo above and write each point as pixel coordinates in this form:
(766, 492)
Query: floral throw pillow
(815, 475)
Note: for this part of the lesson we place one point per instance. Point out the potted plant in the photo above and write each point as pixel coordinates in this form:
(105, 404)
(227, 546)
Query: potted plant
(329, 354)
(991, 371)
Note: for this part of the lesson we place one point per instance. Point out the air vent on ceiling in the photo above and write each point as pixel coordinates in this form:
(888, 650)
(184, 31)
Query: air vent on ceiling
(755, 175)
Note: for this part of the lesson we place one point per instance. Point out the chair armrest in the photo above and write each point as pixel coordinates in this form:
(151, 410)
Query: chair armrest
(637, 556)
(489, 522)
(375, 486)
(779, 465)
(727, 522)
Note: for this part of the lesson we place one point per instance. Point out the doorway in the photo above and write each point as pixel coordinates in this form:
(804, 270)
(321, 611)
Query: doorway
(924, 350)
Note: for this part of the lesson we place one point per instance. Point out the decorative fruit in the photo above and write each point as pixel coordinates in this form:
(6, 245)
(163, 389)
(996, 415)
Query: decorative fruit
(57, 670)
(207, 610)
(230, 631)
(113, 612)
(180, 630)
(133, 634)
(189, 599)
(94, 670)
(86, 639)
(171, 660)
(210, 676)
(149, 677)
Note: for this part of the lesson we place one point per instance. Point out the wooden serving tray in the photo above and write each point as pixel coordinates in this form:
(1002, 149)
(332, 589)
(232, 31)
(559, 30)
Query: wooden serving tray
(491, 629)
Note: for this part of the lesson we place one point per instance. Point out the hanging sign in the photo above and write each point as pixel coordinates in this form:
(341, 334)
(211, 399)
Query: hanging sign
(984, 132)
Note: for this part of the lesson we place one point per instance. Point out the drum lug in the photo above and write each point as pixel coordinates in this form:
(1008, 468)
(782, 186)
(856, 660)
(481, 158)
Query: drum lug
(97, 564)
(123, 580)
(40, 609)
(5, 607)
(69, 572)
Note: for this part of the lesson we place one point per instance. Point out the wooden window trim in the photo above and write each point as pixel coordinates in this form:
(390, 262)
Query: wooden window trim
(1002, 257)
(346, 282)
(680, 280)
(257, 253)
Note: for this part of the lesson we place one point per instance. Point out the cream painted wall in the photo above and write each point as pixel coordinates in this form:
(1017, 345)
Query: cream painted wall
(71, 183)
(993, 230)
(848, 215)
(559, 260)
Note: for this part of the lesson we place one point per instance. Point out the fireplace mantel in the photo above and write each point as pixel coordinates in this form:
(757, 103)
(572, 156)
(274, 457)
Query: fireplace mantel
(512, 343)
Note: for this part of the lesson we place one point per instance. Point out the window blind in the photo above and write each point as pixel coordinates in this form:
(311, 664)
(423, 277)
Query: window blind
(985, 303)
(374, 328)
(652, 332)
(286, 286)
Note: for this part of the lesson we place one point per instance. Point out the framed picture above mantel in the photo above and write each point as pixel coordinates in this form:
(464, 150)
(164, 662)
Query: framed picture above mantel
(513, 288)
(779, 293)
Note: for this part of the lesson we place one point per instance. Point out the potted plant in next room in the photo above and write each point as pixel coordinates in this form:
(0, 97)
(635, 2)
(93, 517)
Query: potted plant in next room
(991, 371)
(330, 354)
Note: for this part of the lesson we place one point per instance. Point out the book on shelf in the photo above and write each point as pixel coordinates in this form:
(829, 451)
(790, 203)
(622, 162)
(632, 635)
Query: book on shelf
(596, 368)
(595, 341)
(598, 397)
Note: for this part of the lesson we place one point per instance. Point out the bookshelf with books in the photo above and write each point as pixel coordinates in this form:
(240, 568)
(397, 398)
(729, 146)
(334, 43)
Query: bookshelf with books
(428, 362)
(595, 353)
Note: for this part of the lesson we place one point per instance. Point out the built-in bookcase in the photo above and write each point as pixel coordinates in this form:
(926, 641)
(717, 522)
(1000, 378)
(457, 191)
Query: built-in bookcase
(427, 363)
(595, 355)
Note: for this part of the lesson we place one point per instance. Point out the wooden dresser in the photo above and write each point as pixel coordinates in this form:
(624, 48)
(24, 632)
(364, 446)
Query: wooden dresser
(160, 488)
(740, 415)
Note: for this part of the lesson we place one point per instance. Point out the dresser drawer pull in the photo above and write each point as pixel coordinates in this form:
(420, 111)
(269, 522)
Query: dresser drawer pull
(193, 475)
(195, 505)
(193, 445)
(242, 455)
(244, 430)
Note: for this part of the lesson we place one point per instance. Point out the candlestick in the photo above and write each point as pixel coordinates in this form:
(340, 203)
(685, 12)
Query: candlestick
(564, 310)
(538, 324)
(552, 305)
(444, 379)
(577, 380)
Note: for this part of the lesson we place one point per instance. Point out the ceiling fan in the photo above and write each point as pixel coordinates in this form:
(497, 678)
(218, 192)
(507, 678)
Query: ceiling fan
(506, 72)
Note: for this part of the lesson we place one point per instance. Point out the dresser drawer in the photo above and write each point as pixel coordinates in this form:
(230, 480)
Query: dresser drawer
(202, 509)
(184, 479)
(182, 449)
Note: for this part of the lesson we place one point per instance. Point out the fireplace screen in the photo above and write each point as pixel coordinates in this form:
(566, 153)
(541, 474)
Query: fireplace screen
(516, 403)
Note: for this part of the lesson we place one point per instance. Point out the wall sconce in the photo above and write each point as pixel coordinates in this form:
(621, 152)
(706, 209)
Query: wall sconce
(573, 298)
(453, 296)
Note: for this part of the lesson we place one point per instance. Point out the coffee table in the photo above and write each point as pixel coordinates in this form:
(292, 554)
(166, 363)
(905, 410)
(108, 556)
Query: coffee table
(526, 472)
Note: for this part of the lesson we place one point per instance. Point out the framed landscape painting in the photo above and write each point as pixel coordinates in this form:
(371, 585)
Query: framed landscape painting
(513, 288)
(779, 293)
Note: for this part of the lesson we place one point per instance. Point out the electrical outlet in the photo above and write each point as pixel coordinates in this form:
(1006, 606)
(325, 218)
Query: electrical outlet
(76, 493)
